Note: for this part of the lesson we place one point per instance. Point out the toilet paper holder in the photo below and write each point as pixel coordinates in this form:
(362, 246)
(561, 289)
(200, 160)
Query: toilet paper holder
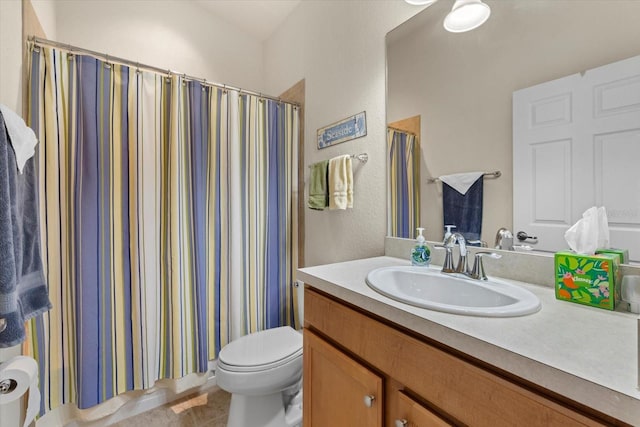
(7, 386)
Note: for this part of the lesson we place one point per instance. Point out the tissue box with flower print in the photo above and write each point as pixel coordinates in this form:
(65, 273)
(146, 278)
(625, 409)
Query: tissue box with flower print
(622, 253)
(587, 279)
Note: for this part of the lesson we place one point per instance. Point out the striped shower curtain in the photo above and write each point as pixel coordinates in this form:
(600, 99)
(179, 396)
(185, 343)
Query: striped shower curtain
(167, 223)
(403, 153)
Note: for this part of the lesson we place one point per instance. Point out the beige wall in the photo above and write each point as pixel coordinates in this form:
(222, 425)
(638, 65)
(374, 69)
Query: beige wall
(11, 54)
(461, 84)
(46, 16)
(11, 51)
(178, 35)
(339, 48)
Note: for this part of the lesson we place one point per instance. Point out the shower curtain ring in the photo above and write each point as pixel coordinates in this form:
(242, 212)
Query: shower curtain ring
(107, 64)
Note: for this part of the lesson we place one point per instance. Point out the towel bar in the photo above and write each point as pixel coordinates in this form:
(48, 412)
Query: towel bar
(496, 174)
(363, 157)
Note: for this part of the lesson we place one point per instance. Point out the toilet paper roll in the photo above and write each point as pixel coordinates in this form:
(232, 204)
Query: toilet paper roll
(20, 405)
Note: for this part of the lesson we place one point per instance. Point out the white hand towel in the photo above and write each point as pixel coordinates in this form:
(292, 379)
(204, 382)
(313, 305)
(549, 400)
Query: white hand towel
(340, 183)
(461, 182)
(23, 139)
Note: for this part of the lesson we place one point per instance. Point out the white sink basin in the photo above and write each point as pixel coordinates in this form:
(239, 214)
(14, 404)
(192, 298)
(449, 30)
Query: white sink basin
(452, 293)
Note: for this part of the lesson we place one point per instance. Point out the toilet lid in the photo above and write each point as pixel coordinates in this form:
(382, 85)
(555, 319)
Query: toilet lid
(262, 350)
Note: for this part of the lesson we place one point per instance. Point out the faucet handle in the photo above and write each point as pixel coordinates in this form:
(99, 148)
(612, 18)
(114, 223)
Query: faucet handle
(478, 267)
(447, 265)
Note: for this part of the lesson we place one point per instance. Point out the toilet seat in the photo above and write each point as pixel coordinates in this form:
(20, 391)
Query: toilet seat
(262, 351)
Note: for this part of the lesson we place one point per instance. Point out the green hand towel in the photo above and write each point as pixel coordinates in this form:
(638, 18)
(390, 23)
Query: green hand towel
(318, 195)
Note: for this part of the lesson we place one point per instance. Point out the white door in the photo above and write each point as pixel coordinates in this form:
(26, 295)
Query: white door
(577, 145)
(544, 132)
(612, 98)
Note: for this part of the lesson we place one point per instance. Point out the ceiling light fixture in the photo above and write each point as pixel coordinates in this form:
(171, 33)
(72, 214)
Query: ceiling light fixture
(466, 15)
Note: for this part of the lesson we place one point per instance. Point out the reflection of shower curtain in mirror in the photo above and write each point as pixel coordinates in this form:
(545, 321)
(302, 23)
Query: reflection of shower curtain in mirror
(168, 223)
(404, 183)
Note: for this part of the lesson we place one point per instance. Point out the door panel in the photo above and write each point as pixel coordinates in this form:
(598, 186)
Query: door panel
(543, 133)
(577, 145)
(612, 100)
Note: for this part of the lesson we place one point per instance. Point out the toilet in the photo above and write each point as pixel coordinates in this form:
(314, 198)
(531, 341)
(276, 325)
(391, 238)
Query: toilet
(263, 373)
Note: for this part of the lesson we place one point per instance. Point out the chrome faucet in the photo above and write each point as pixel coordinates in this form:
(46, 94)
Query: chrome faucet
(463, 268)
(504, 239)
(448, 244)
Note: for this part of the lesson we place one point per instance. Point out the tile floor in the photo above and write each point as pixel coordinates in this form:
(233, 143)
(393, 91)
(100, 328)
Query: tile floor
(204, 410)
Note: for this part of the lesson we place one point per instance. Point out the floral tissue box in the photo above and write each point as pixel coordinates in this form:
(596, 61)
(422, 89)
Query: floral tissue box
(587, 279)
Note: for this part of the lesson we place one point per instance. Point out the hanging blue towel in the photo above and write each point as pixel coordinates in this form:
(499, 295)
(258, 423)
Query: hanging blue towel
(23, 291)
(464, 210)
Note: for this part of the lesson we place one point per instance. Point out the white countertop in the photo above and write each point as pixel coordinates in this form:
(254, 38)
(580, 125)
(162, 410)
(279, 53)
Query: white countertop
(587, 354)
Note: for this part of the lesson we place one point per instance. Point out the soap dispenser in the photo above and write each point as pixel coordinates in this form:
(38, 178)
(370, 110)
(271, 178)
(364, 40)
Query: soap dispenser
(448, 232)
(420, 254)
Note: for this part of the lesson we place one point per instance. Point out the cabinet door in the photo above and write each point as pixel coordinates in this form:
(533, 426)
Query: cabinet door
(413, 414)
(338, 391)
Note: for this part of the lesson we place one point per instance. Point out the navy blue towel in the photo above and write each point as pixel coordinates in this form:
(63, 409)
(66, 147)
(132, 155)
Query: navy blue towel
(23, 291)
(464, 211)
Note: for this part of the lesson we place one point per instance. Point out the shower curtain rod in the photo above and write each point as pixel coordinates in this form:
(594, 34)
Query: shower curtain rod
(401, 130)
(108, 58)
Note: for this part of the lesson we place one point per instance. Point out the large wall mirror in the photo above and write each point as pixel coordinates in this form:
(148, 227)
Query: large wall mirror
(460, 85)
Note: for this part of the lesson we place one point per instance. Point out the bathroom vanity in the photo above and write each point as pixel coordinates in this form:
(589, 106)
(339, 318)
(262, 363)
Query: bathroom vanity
(373, 361)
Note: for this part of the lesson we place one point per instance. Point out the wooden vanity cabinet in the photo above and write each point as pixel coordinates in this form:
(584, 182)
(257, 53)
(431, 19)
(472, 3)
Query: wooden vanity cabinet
(340, 391)
(349, 354)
